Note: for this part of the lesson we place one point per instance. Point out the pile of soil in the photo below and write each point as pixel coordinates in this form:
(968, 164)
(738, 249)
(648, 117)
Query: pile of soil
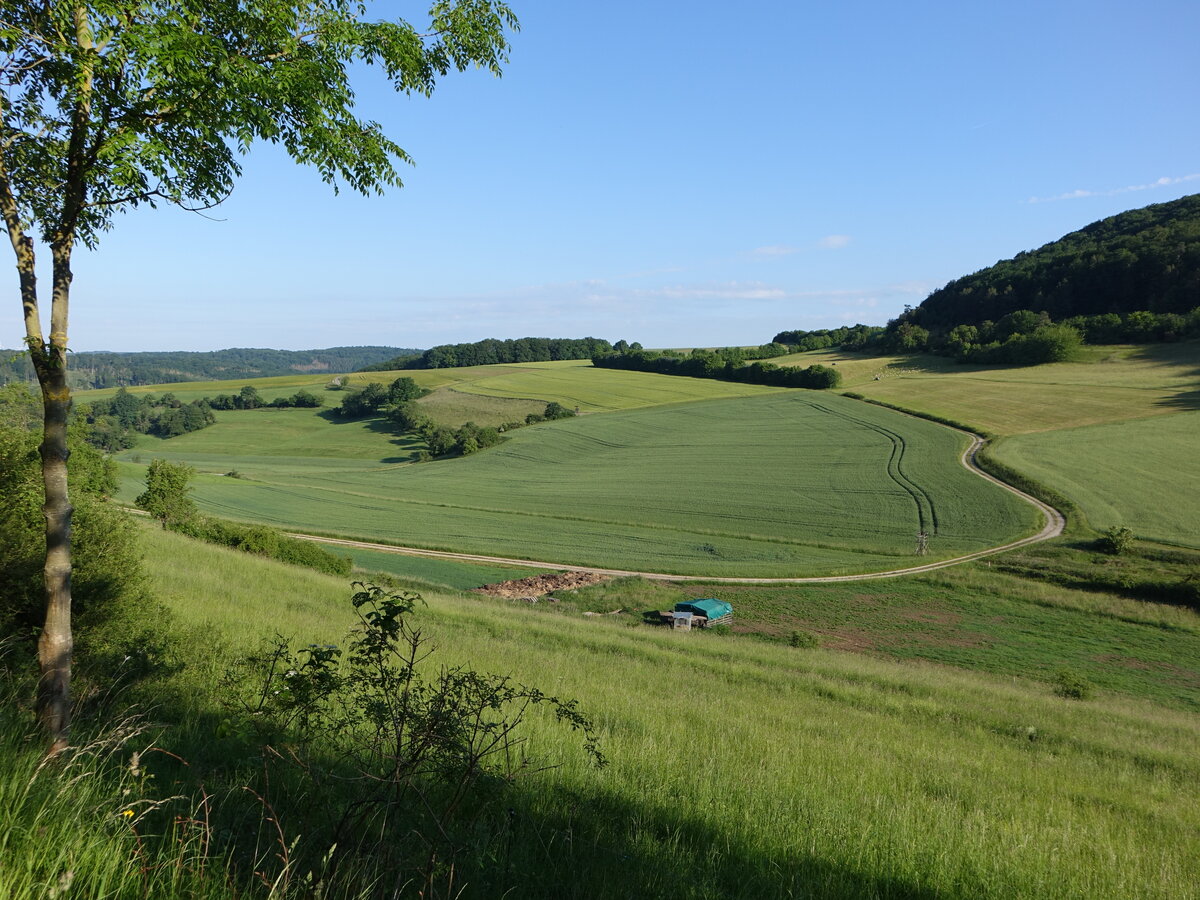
(538, 585)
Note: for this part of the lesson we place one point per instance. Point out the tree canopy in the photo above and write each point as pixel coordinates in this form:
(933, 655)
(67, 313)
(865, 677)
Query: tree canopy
(111, 104)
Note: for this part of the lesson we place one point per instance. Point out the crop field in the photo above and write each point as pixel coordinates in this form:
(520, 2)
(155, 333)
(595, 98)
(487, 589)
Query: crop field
(854, 776)
(1111, 384)
(1143, 473)
(443, 572)
(789, 483)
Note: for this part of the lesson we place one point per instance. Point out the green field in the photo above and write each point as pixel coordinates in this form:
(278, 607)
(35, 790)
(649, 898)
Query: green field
(1116, 432)
(812, 772)
(1143, 474)
(1110, 384)
(786, 483)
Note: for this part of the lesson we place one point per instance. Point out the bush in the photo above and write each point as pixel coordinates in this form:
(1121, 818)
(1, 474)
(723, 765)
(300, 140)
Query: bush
(804, 639)
(1071, 685)
(1115, 541)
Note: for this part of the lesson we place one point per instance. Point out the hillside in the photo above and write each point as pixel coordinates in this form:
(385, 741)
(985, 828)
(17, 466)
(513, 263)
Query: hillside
(101, 369)
(1143, 259)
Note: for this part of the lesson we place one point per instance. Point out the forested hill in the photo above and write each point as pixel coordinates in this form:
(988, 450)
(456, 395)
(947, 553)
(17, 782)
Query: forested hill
(1144, 259)
(103, 369)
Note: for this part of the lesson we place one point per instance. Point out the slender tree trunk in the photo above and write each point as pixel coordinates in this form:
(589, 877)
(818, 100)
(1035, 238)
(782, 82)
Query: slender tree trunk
(57, 643)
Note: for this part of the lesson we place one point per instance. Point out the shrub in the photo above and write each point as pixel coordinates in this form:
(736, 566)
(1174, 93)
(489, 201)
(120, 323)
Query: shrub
(804, 639)
(1115, 541)
(1071, 685)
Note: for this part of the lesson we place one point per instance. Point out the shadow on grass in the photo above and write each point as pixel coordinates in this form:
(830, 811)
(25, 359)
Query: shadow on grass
(524, 840)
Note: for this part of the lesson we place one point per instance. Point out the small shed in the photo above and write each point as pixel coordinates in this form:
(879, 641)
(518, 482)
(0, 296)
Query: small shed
(714, 611)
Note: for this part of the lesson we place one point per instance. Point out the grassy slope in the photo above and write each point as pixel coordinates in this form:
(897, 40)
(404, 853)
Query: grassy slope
(743, 769)
(1111, 384)
(773, 485)
(1143, 473)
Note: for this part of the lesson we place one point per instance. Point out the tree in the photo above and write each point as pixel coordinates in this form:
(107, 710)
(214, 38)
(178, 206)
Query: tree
(111, 104)
(166, 495)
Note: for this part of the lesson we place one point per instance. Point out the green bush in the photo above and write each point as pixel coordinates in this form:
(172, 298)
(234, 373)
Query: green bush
(1071, 685)
(1115, 541)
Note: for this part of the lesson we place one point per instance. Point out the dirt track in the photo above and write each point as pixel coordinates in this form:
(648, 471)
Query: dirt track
(1053, 528)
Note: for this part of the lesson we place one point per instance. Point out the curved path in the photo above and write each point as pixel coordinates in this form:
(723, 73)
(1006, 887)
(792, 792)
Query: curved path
(1053, 528)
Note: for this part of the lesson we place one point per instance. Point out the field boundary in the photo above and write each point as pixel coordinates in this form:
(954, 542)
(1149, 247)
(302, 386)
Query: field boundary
(1054, 525)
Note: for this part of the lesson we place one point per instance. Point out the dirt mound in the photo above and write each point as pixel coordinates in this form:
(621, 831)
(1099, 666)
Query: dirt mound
(537, 585)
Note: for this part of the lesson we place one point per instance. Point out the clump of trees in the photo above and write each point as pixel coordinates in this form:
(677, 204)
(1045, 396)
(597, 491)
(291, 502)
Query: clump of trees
(491, 351)
(1024, 338)
(847, 337)
(375, 398)
(115, 422)
(722, 365)
(166, 498)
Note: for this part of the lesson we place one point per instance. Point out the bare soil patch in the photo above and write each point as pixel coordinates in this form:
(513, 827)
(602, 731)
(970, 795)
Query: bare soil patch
(539, 585)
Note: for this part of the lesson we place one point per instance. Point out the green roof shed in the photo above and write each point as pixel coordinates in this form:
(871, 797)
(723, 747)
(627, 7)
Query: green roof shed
(709, 607)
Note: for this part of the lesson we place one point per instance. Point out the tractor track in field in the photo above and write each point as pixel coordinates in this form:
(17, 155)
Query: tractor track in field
(1055, 523)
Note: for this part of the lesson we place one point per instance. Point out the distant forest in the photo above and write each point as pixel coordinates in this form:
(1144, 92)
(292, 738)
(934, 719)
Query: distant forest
(104, 369)
(491, 352)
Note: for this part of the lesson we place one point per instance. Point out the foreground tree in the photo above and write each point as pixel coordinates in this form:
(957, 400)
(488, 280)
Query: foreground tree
(108, 104)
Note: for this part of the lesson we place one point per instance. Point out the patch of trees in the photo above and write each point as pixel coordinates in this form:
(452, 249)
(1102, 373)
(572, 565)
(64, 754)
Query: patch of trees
(847, 337)
(167, 499)
(105, 370)
(1144, 259)
(1024, 338)
(113, 423)
(249, 398)
(442, 440)
(492, 352)
(714, 364)
(374, 398)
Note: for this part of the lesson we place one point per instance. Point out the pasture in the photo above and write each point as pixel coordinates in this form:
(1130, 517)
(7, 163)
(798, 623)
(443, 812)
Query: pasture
(825, 773)
(784, 484)
(1142, 473)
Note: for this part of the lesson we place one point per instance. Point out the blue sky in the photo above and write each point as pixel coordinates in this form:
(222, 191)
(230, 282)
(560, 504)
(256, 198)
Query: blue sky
(682, 174)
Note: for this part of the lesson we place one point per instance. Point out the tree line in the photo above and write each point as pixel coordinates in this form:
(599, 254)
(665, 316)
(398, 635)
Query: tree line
(100, 369)
(722, 364)
(114, 423)
(492, 351)
(1024, 337)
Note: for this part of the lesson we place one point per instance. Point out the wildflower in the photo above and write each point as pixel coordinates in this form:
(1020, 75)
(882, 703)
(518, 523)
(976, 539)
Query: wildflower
(127, 813)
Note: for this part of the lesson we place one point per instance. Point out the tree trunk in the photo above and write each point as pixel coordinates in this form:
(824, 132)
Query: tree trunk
(56, 643)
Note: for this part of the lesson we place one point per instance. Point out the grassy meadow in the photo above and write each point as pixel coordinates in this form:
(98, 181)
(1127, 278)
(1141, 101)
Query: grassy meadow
(785, 483)
(740, 768)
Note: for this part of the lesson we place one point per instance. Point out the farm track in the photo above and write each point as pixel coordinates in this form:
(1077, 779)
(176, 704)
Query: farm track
(1054, 525)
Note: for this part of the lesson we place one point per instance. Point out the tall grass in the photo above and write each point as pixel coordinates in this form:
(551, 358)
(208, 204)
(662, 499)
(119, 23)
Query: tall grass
(743, 769)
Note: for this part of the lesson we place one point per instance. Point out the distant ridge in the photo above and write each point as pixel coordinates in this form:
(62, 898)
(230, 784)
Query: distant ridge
(100, 369)
(1143, 259)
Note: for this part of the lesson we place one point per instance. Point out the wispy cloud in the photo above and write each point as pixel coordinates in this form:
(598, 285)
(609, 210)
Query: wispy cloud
(829, 242)
(834, 241)
(731, 290)
(1080, 194)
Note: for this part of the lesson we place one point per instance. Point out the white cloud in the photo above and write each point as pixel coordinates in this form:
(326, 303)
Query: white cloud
(1080, 193)
(834, 241)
